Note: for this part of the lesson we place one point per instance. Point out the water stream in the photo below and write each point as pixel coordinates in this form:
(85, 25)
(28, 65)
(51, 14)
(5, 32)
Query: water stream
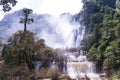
(78, 67)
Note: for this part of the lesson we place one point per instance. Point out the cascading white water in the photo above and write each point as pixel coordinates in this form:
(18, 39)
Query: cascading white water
(78, 67)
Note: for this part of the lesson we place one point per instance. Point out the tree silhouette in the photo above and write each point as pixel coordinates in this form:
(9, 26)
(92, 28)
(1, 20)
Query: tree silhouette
(26, 20)
(7, 4)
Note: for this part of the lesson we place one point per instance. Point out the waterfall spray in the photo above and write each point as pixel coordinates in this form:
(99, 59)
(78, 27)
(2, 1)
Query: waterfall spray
(78, 67)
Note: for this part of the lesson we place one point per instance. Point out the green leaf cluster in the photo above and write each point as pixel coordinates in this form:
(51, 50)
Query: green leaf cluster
(23, 51)
(102, 21)
(23, 48)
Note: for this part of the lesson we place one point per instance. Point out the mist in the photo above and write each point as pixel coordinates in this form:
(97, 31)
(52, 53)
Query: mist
(56, 31)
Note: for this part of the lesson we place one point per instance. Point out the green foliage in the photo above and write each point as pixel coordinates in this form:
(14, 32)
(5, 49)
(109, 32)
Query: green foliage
(96, 18)
(89, 40)
(22, 52)
(16, 73)
(45, 56)
(93, 54)
(117, 31)
(110, 3)
(112, 55)
(94, 11)
(19, 48)
(22, 48)
(7, 4)
(107, 10)
(102, 23)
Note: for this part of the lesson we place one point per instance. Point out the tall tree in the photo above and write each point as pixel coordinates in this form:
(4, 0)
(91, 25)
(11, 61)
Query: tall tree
(26, 20)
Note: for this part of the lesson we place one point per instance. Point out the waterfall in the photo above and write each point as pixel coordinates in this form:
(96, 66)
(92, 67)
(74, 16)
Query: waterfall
(78, 67)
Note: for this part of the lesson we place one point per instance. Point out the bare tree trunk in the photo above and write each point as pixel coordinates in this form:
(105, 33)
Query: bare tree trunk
(25, 23)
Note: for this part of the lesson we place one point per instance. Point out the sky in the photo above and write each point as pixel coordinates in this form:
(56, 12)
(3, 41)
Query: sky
(53, 7)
